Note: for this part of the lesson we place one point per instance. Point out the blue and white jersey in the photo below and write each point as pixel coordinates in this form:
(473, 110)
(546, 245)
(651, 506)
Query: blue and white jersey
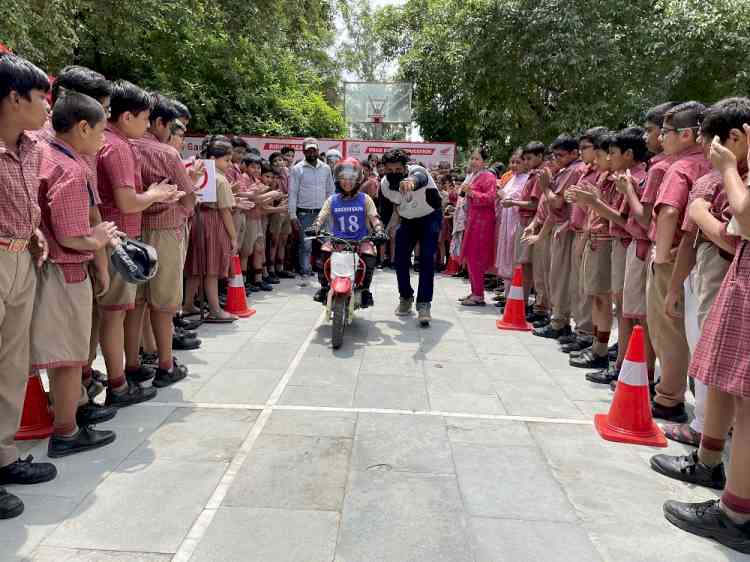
(349, 217)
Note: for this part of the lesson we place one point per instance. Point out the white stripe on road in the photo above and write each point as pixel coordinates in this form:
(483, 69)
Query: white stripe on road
(202, 523)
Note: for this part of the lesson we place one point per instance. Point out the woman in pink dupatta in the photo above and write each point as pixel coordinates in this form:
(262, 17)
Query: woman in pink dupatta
(508, 219)
(478, 248)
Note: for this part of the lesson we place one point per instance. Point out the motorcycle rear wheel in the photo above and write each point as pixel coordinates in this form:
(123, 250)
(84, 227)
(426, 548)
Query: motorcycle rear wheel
(339, 308)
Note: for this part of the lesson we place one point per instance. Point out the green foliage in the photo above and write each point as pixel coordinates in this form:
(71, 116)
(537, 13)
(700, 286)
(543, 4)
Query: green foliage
(258, 67)
(504, 72)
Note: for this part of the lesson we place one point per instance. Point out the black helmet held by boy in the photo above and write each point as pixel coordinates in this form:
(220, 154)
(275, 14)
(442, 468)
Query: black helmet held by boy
(135, 261)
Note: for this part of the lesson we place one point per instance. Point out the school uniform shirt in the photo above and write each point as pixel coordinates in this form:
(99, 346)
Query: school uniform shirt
(233, 173)
(620, 203)
(158, 162)
(65, 199)
(711, 188)
(249, 184)
(687, 167)
(578, 214)
(47, 133)
(531, 192)
(598, 225)
(117, 167)
(570, 175)
(19, 188)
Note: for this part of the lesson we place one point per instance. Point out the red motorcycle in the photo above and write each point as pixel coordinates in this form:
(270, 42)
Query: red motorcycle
(345, 271)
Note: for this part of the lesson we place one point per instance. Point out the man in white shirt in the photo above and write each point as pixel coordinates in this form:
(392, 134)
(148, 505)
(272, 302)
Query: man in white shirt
(310, 185)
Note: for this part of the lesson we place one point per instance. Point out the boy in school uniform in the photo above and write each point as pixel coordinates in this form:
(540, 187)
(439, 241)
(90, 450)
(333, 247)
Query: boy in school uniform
(123, 201)
(680, 138)
(23, 107)
(566, 155)
(527, 203)
(164, 229)
(64, 294)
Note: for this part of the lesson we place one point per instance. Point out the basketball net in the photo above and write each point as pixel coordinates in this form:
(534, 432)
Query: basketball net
(377, 107)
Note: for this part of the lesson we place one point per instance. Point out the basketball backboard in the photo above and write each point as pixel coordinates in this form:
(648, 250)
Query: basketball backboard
(377, 102)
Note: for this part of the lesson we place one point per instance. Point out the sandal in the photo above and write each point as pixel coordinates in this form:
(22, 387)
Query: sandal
(211, 319)
(682, 433)
(472, 301)
(467, 297)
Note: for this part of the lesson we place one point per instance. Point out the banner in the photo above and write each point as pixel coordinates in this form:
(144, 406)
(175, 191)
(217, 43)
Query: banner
(427, 153)
(266, 145)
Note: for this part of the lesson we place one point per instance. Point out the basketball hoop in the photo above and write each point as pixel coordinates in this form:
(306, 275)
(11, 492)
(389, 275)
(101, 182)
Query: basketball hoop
(377, 106)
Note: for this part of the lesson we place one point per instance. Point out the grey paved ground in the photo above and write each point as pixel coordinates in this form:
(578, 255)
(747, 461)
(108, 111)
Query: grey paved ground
(457, 443)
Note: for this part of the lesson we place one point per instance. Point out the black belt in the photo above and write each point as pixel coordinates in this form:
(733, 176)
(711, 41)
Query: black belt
(308, 211)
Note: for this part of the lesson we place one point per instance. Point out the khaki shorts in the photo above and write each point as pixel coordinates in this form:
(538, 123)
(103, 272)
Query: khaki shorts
(121, 294)
(710, 270)
(634, 290)
(240, 226)
(61, 324)
(280, 225)
(597, 267)
(164, 291)
(541, 256)
(618, 265)
(521, 250)
(255, 233)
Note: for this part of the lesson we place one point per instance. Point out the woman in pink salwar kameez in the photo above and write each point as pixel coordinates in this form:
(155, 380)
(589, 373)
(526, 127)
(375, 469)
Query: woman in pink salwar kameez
(478, 248)
(508, 219)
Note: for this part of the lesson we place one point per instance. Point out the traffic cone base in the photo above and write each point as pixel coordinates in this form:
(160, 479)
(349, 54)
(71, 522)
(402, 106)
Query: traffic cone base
(236, 298)
(36, 421)
(629, 419)
(514, 315)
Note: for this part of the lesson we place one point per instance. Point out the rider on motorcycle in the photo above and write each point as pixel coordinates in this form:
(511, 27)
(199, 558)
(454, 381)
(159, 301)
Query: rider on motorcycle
(353, 214)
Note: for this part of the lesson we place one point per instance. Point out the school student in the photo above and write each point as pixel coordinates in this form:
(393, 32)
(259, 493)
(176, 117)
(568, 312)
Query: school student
(721, 361)
(61, 323)
(527, 202)
(214, 240)
(23, 107)
(163, 228)
(680, 138)
(280, 225)
(565, 152)
(123, 201)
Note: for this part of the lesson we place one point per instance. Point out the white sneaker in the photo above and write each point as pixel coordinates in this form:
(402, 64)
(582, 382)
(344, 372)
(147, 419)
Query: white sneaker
(423, 314)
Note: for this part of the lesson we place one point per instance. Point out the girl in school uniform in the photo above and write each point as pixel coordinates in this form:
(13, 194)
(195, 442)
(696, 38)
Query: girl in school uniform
(213, 241)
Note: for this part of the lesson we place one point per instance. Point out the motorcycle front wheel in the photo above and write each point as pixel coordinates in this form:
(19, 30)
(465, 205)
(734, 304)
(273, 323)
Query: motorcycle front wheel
(339, 308)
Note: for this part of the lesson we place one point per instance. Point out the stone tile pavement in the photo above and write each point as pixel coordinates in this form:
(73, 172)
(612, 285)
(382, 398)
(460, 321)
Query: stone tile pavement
(457, 443)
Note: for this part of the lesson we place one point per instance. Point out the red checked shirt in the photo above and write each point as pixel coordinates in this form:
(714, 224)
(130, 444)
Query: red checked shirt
(578, 213)
(19, 189)
(687, 167)
(598, 225)
(233, 173)
(65, 198)
(570, 175)
(620, 203)
(531, 192)
(47, 133)
(160, 162)
(117, 168)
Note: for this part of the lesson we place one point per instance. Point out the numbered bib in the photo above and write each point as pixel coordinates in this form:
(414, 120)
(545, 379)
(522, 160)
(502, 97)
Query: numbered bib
(349, 217)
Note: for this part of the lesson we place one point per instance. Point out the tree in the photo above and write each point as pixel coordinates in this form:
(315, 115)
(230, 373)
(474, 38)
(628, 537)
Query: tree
(252, 67)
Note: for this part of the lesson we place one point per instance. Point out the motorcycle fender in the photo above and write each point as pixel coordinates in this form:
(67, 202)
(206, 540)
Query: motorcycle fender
(341, 285)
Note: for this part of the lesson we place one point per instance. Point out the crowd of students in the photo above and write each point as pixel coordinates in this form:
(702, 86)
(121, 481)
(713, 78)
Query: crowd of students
(617, 226)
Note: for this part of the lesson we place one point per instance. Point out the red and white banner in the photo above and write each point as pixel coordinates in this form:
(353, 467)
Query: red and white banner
(428, 153)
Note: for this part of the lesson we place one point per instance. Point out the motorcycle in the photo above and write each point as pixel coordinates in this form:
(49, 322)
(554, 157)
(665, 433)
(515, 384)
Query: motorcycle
(345, 271)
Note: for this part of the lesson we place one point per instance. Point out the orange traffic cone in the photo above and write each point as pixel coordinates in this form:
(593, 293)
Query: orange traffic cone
(454, 266)
(236, 299)
(514, 316)
(629, 419)
(36, 421)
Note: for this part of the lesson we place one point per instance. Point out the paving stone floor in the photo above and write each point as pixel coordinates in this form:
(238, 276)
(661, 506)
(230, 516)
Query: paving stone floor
(456, 443)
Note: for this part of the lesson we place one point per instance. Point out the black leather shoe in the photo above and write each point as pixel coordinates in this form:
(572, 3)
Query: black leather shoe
(93, 413)
(10, 506)
(184, 343)
(689, 469)
(166, 377)
(285, 275)
(706, 519)
(578, 345)
(566, 340)
(182, 332)
(149, 359)
(367, 300)
(613, 350)
(27, 472)
(551, 332)
(141, 376)
(182, 322)
(262, 286)
(86, 439)
(133, 395)
(675, 414)
(321, 296)
(604, 376)
(589, 360)
(271, 280)
(581, 351)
